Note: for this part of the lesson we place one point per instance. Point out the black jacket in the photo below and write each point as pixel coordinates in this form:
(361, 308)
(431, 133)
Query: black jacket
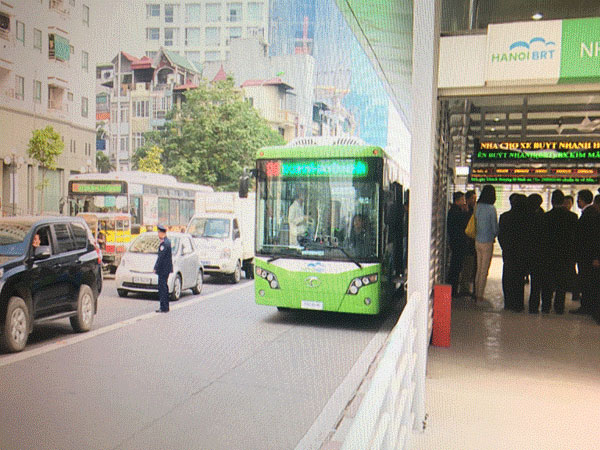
(587, 235)
(513, 234)
(164, 262)
(457, 222)
(561, 227)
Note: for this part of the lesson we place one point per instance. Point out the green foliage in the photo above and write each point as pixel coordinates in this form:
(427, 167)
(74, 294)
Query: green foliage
(45, 146)
(103, 163)
(151, 162)
(212, 137)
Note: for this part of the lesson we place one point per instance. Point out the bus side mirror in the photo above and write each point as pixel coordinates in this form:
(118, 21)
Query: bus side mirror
(135, 229)
(244, 185)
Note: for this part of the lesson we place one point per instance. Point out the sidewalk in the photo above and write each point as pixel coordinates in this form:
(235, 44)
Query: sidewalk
(513, 380)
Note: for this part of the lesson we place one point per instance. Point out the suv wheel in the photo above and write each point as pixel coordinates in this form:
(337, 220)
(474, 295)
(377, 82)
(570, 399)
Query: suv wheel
(176, 294)
(85, 310)
(199, 283)
(16, 325)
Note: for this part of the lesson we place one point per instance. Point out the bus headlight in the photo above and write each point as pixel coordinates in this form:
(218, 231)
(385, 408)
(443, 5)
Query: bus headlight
(361, 281)
(269, 277)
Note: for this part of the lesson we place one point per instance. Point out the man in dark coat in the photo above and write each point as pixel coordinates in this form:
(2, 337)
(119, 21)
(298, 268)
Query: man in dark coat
(587, 246)
(560, 226)
(536, 251)
(512, 236)
(163, 267)
(457, 222)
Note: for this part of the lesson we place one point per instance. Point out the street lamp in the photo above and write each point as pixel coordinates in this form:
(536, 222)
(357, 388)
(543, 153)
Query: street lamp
(14, 162)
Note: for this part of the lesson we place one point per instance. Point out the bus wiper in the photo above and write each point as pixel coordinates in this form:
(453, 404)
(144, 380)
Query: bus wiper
(333, 247)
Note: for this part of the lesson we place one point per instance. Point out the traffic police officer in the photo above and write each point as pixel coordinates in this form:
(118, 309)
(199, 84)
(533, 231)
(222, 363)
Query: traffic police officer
(163, 267)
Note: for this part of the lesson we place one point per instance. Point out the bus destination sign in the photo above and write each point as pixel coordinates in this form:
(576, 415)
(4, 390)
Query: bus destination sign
(316, 168)
(553, 150)
(531, 175)
(97, 188)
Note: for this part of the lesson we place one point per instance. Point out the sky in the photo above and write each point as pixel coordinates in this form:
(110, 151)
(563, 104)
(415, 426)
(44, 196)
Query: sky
(116, 25)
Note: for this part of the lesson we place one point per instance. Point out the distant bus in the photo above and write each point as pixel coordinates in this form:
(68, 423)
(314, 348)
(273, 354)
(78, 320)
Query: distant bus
(331, 226)
(119, 205)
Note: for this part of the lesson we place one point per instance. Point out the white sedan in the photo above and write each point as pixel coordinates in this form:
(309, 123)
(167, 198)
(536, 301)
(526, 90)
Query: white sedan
(136, 270)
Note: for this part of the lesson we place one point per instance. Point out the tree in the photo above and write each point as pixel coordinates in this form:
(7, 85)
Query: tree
(103, 163)
(45, 146)
(212, 137)
(151, 161)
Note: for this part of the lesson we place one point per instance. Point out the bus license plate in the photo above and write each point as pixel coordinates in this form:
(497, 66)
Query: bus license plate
(310, 304)
(142, 280)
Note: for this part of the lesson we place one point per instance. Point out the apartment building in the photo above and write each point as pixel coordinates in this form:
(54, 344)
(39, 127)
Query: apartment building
(202, 31)
(134, 95)
(46, 78)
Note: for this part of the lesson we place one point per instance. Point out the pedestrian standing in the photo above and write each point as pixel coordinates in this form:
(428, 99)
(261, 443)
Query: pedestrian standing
(537, 258)
(486, 219)
(467, 275)
(163, 267)
(457, 239)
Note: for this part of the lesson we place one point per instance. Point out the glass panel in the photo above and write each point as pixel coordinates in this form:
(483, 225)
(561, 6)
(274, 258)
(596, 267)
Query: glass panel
(213, 12)
(209, 228)
(193, 37)
(163, 210)
(213, 37)
(192, 13)
(255, 11)
(316, 215)
(63, 238)
(148, 243)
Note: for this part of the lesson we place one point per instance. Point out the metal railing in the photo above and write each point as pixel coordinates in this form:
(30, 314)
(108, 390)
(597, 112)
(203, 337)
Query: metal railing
(393, 403)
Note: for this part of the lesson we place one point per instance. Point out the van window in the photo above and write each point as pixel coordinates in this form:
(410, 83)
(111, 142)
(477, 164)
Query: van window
(63, 238)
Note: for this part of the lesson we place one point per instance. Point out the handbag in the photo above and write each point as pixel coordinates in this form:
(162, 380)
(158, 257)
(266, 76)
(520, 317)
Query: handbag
(471, 229)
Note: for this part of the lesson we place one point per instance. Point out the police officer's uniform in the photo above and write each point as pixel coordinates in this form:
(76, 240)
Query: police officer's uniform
(163, 267)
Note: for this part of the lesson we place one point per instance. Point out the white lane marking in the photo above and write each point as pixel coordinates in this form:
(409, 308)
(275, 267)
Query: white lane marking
(16, 357)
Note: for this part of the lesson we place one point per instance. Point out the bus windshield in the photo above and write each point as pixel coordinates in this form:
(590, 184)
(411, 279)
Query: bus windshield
(319, 218)
(98, 203)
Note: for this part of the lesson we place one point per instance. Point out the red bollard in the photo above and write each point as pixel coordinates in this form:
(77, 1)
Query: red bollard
(442, 314)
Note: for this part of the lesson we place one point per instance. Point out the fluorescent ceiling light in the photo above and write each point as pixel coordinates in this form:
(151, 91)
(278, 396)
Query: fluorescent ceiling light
(537, 16)
(462, 171)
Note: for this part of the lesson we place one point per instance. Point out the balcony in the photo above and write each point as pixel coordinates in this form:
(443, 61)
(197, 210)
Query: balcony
(286, 117)
(8, 50)
(60, 7)
(58, 106)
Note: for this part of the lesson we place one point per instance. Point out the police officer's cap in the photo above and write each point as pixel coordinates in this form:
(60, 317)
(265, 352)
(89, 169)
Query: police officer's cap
(161, 228)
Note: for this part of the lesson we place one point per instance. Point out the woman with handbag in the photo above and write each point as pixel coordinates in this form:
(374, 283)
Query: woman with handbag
(486, 224)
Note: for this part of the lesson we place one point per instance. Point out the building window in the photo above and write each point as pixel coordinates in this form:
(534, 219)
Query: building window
(141, 108)
(212, 56)
(37, 91)
(19, 88)
(84, 60)
(37, 39)
(193, 37)
(213, 37)
(256, 31)
(4, 25)
(152, 10)
(192, 13)
(255, 12)
(151, 55)
(124, 113)
(153, 34)
(20, 32)
(213, 12)
(194, 57)
(234, 33)
(234, 12)
(86, 15)
(84, 107)
(170, 37)
(138, 140)
(169, 13)
(70, 96)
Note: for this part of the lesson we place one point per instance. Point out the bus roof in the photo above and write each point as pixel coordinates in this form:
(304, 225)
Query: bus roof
(321, 151)
(138, 177)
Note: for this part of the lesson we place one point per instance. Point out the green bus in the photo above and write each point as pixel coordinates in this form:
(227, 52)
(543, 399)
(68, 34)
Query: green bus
(330, 226)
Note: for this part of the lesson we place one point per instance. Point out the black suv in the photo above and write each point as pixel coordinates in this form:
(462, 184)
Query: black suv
(50, 268)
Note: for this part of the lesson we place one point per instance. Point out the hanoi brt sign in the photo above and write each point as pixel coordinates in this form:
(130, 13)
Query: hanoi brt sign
(545, 52)
(524, 51)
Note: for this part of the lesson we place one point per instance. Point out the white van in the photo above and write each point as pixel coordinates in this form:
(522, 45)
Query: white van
(223, 229)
